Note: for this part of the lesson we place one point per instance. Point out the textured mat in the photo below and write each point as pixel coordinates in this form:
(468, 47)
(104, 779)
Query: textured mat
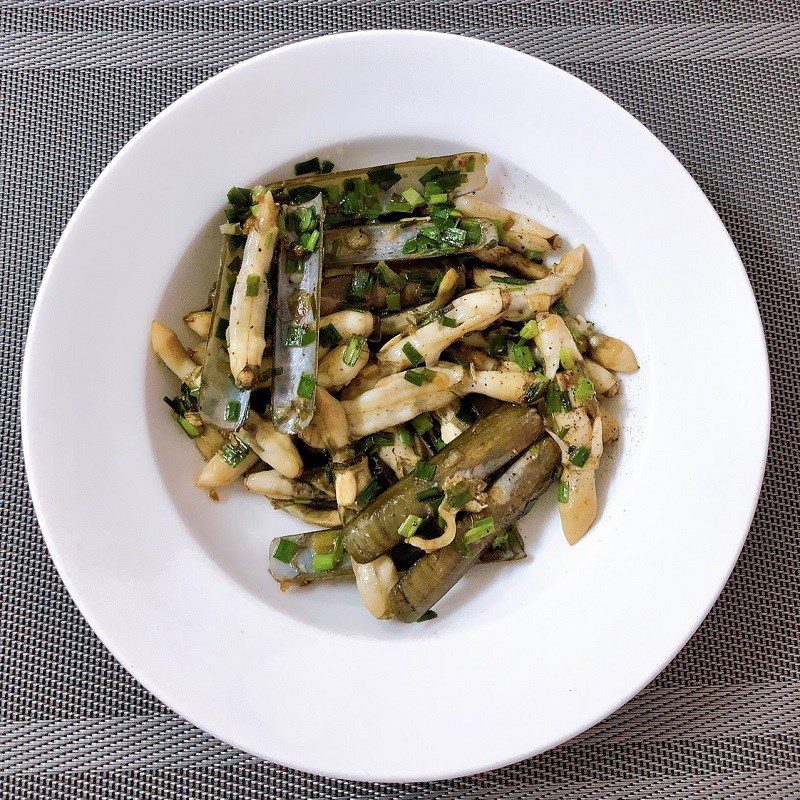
(716, 81)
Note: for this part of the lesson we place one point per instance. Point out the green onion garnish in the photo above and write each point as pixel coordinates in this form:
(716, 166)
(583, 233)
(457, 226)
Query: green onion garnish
(584, 390)
(459, 495)
(307, 386)
(534, 255)
(393, 301)
(307, 167)
(353, 350)
(521, 355)
(384, 177)
(461, 548)
(329, 336)
(232, 411)
(529, 330)
(399, 206)
(323, 562)
(309, 337)
(470, 164)
(360, 284)
(566, 358)
(448, 322)
(285, 551)
(412, 354)
(507, 280)
(482, 528)
(424, 470)
(310, 241)
(240, 197)
(496, 343)
(233, 454)
(560, 308)
(405, 435)
(555, 399)
(423, 423)
(253, 285)
(431, 493)
(413, 197)
(580, 455)
(326, 166)
(368, 493)
(409, 526)
(189, 429)
(294, 335)
(456, 237)
(437, 199)
(387, 276)
(501, 540)
(563, 492)
(418, 376)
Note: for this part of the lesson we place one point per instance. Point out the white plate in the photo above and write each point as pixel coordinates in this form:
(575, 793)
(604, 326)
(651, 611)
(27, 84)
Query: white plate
(522, 657)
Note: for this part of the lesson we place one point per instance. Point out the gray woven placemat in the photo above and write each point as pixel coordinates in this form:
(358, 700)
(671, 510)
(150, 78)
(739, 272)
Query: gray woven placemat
(716, 81)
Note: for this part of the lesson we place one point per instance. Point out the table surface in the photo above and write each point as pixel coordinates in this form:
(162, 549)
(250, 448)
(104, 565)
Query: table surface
(717, 82)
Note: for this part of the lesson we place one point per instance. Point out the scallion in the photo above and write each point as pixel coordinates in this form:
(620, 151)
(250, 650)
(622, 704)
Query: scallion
(563, 492)
(329, 336)
(393, 301)
(413, 197)
(418, 376)
(405, 435)
(384, 177)
(566, 357)
(368, 493)
(507, 280)
(424, 470)
(409, 526)
(323, 562)
(459, 495)
(190, 430)
(432, 493)
(521, 355)
(412, 354)
(584, 390)
(308, 167)
(529, 330)
(253, 285)
(580, 455)
(232, 411)
(326, 166)
(423, 423)
(353, 350)
(560, 308)
(307, 386)
(285, 551)
(448, 322)
(387, 276)
(481, 529)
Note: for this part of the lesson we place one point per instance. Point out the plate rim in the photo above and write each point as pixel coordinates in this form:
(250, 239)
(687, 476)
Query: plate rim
(108, 171)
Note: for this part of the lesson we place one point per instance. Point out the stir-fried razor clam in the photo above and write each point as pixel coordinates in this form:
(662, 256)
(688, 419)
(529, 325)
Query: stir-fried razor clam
(424, 381)
(392, 324)
(399, 398)
(467, 313)
(370, 193)
(408, 239)
(167, 346)
(475, 455)
(430, 578)
(517, 231)
(199, 322)
(272, 447)
(297, 313)
(246, 340)
(222, 403)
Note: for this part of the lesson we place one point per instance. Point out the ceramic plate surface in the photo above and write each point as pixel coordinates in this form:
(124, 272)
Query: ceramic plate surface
(522, 657)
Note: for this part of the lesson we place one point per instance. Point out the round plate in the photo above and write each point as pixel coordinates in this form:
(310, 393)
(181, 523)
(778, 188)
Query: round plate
(522, 656)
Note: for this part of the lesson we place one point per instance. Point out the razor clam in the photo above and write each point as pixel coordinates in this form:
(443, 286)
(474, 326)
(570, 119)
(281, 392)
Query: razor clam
(395, 241)
(368, 193)
(222, 403)
(430, 578)
(297, 313)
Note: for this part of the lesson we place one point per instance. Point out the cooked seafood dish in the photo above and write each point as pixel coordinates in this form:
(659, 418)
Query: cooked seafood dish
(395, 361)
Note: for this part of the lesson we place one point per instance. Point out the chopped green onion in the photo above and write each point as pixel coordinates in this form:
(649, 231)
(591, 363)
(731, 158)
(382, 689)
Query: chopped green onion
(413, 197)
(449, 180)
(555, 399)
(310, 241)
(534, 255)
(470, 165)
(323, 562)
(439, 444)
(507, 280)
(428, 615)
(409, 526)
(461, 548)
(294, 335)
(501, 540)
(459, 495)
(307, 386)
(399, 206)
(393, 301)
(584, 390)
(481, 529)
(368, 493)
(326, 166)
(424, 470)
(418, 376)
(496, 343)
(412, 354)
(291, 266)
(448, 322)
(189, 429)
(560, 308)
(521, 355)
(353, 350)
(580, 455)
(307, 167)
(360, 284)
(384, 177)
(232, 411)
(454, 236)
(240, 197)
(233, 454)
(437, 199)
(329, 336)
(285, 551)
(566, 358)
(563, 492)
(309, 337)
(431, 493)
(307, 219)
(387, 276)
(381, 439)
(529, 330)
(405, 435)
(423, 423)
(253, 285)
